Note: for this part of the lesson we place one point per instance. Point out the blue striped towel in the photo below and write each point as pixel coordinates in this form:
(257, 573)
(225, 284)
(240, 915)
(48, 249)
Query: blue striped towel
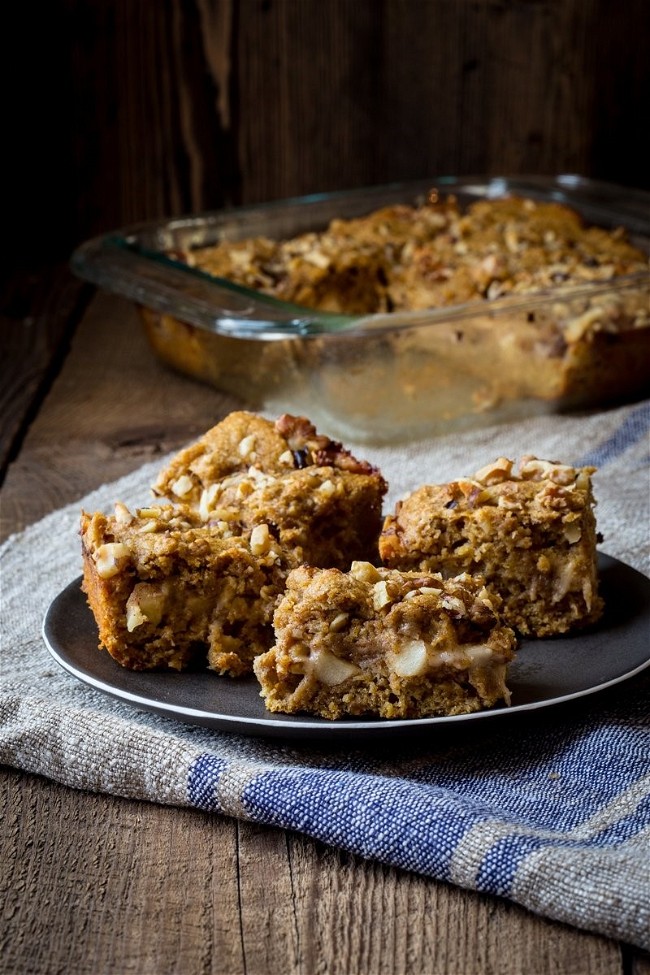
(552, 811)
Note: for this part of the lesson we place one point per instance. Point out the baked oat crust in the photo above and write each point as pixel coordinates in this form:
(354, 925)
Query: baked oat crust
(322, 505)
(385, 643)
(169, 592)
(405, 258)
(530, 532)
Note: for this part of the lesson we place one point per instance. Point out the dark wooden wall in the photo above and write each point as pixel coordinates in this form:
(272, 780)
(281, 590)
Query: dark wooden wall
(127, 110)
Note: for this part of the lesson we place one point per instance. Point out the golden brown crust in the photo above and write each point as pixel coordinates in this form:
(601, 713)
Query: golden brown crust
(169, 592)
(219, 453)
(405, 258)
(322, 504)
(386, 643)
(531, 533)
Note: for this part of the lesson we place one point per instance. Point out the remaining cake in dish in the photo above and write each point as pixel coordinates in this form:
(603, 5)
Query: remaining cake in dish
(529, 531)
(385, 643)
(405, 258)
(322, 505)
(169, 592)
(486, 309)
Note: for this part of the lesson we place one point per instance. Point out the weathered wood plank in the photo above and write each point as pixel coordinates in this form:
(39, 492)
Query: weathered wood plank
(361, 917)
(113, 408)
(159, 109)
(40, 310)
(92, 883)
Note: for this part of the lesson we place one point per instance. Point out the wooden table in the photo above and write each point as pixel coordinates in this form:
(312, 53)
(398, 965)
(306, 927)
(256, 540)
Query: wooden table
(94, 884)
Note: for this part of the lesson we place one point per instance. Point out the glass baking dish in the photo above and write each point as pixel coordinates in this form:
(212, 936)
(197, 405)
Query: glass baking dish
(395, 375)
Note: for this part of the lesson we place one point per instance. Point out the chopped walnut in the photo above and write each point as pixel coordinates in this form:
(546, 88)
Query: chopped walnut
(122, 514)
(365, 572)
(531, 468)
(260, 540)
(247, 447)
(339, 622)
(145, 605)
(110, 558)
(381, 597)
(312, 448)
(182, 486)
(499, 470)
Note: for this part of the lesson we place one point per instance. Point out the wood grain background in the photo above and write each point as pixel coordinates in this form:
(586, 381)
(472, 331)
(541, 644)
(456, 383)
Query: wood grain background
(127, 110)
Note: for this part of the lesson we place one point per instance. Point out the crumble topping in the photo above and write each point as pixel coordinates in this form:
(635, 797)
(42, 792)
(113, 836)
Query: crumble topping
(529, 530)
(405, 258)
(379, 641)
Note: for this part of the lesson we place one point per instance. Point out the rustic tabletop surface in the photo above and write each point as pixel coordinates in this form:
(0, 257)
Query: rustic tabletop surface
(95, 884)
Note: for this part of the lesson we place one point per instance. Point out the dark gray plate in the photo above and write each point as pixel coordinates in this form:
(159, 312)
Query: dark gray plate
(545, 672)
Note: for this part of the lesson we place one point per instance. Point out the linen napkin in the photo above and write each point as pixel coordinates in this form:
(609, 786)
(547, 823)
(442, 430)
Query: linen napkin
(555, 816)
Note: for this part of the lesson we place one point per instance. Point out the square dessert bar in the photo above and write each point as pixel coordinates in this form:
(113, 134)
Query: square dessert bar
(169, 592)
(322, 505)
(386, 643)
(530, 533)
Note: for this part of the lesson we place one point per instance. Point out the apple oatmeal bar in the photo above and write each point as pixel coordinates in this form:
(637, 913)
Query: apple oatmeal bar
(169, 592)
(529, 531)
(377, 641)
(322, 505)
